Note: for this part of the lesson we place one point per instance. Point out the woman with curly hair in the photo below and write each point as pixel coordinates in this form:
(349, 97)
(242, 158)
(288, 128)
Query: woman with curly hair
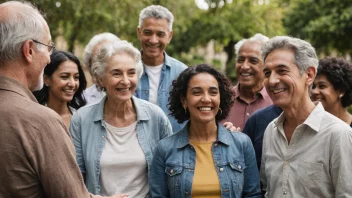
(204, 158)
(64, 82)
(333, 87)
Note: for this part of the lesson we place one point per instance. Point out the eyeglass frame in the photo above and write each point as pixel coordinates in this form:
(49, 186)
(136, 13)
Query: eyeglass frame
(52, 45)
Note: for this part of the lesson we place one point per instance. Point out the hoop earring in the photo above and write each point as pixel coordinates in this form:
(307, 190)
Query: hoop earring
(220, 111)
(341, 95)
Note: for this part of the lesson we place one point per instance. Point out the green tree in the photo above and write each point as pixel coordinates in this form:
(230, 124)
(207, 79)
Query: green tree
(228, 23)
(327, 24)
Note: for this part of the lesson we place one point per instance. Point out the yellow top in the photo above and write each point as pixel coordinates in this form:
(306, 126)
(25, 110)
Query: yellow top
(205, 181)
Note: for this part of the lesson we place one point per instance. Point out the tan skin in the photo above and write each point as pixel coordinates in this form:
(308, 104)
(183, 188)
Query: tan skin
(249, 69)
(324, 92)
(203, 92)
(288, 88)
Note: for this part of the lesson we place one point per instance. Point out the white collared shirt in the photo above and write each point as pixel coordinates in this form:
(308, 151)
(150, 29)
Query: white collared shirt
(316, 163)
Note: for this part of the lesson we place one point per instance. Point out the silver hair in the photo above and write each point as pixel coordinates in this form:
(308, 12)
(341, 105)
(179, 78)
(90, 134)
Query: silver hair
(97, 39)
(257, 37)
(158, 12)
(304, 53)
(21, 21)
(103, 56)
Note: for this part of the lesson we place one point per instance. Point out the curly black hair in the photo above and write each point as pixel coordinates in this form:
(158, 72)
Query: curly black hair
(57, 58)
(179, 90)
(339, 74)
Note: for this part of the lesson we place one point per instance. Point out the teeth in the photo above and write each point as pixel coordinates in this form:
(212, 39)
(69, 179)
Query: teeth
(123, 89)
(68, 91)
(205, 108)
(245, 74)
(277, 90)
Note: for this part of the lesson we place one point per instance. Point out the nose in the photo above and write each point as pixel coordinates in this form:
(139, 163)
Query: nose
(71, 82)
(153, 39)
(273, 79)
(245, 65)
(125, 80)
(314, 90)
(206, 98)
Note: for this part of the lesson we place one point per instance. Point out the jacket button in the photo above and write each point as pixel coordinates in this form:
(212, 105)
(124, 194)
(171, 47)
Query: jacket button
(172, 171)
(221, 169)
(239, 167)
(187, 193)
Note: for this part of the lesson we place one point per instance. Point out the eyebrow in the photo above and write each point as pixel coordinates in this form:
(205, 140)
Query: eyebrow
(210, 88)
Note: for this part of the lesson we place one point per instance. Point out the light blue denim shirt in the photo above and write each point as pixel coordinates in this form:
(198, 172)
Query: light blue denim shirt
(89, 135)
(174, 162)
(169, 72)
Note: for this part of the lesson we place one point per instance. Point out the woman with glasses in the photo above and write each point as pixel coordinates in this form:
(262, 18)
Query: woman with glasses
(64, 82)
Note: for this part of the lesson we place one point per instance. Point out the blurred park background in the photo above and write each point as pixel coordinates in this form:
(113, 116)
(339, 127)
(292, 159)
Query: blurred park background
(205, 30)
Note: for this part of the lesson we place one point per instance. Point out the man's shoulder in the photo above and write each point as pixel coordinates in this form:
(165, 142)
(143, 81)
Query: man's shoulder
(334, 125)
(175, 64)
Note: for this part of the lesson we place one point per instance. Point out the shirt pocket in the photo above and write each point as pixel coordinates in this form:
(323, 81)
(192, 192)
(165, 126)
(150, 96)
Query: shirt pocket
(173, 178)
(236, 174)
(310, 176)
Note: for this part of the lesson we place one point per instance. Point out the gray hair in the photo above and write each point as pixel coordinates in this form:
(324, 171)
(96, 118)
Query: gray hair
(158, 12)
(102, 58)
(97, 39)
(257, 37)
(19, 22)
(304, 52)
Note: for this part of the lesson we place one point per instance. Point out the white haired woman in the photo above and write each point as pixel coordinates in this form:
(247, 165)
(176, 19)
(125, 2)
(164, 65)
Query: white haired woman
(115, 138)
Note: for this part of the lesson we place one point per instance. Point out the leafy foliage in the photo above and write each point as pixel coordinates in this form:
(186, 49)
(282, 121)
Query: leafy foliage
(327, 24)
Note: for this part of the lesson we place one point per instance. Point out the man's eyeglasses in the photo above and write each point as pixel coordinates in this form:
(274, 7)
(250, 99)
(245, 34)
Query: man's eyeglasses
(51, 47)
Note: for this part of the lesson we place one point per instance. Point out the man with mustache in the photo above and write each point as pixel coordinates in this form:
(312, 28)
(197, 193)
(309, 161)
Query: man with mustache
(306, 150)
(250, 94)
(154, 32)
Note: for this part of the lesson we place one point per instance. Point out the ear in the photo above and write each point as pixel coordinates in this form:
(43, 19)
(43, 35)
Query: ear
(28, 51)
(311, 73)
(139, 32)
(170, 36)
(184, 102)
(46, 80)
(99, 80)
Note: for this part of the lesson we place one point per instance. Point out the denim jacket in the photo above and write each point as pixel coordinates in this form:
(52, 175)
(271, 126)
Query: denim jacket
(174, 162)
(89, 135)
(169, 72)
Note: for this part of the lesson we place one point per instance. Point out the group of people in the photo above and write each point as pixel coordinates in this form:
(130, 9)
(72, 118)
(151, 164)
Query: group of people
(150, 126)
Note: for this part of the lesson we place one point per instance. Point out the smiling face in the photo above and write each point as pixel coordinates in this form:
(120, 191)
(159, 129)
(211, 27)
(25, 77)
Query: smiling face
(154, 36)
(64, 82)
(324, 92)
(120, 77)
(249, 65)
(203, 98)
(283, 81)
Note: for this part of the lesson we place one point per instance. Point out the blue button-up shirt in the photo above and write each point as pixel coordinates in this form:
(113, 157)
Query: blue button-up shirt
(169, 72)
(174, 163)
(88, 131)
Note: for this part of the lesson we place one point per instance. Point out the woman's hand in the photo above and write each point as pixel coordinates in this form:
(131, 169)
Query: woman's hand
(232, 128)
